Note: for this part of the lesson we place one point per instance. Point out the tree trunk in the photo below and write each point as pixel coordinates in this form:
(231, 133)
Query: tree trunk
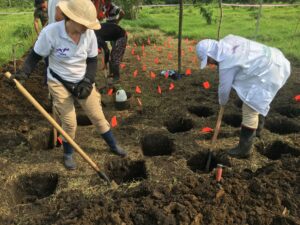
(180, 35)
(220, 20)
(9, 3)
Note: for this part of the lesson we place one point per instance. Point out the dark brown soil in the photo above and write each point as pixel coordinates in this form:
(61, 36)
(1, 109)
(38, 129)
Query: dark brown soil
(163, 180)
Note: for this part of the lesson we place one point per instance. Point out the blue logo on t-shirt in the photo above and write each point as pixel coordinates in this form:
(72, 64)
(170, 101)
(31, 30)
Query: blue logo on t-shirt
(61, 51)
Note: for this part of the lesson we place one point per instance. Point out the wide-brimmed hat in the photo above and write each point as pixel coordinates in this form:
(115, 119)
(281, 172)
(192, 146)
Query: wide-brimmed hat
(81, 11)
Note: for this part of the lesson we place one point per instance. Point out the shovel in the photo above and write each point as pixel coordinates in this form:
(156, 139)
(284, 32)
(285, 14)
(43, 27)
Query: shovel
(56, 126)
(214, 138)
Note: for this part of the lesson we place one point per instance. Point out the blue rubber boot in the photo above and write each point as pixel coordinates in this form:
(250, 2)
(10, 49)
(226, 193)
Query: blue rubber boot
(110, 140)
(68, 156)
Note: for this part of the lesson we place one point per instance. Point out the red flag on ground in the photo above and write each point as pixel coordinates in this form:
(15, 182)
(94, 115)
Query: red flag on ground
(159, 49)
(152, 75)
(99, 50)
(206, 130)
(144, 68)
(122, 65)
(110, 91)
(138, 90)
(149, 42)
(190, 49)
(167, 74)
(182, 53)
(59, 140)
(114, 122)
(206, 85)
(138, 58)
(297, 98)
(158, 89)
(132, 51)
(156, 60)
(170, 56)
(154, 46)
(171, 87)
(135, 73)
(188, 72)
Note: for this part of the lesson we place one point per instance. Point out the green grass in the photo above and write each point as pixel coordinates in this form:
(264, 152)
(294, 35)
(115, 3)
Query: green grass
(15, 30)
(277, 25)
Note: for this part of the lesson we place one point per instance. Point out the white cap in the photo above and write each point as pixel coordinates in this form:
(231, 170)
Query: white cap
(205, 48)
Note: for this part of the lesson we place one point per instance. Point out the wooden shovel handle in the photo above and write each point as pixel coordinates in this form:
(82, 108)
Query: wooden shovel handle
(53, 122)
(218, 125)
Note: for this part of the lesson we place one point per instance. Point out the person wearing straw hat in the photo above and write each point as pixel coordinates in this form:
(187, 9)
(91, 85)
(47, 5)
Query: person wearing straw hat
(71, 45)
(255, 71)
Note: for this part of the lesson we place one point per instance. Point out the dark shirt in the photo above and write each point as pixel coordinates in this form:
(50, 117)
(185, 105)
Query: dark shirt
(42, 14)
(111, 12)
(108, 32)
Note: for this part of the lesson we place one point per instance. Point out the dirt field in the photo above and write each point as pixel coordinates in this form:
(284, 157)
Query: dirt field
(163, 179)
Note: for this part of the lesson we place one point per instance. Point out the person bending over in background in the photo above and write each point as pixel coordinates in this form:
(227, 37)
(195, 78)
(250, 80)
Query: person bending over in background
(71, 45)
(112, 12)
(255, 71)
(115, 33)
(40, 13)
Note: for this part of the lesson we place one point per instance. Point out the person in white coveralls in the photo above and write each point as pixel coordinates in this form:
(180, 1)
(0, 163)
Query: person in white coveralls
(255, 71)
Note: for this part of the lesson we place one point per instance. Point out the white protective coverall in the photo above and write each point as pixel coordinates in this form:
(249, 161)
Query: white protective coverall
(254, 70)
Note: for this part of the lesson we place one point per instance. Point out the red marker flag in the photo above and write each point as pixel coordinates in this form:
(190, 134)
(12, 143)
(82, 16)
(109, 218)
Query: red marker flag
(132, 51)
(158, 89)
(206, 85)
(159, 49)
(297, 98)
(152, 75)
(113, 122)
(170, 56)
(138, 90)
(110, 91)
(122, 65)
(144, 68)
(167, 74)
(156, 60)
(149, 42)
(135, 73)
(182, 52)
(206, 130)
(190, 49)
(171, 87)
(188, 72)
(154, 46)
(138, 58)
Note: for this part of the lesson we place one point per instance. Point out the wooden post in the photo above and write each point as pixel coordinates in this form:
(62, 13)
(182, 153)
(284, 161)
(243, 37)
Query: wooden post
(220, 20)
(180, 35)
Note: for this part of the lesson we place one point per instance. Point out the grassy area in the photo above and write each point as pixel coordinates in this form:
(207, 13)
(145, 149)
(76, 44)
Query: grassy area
(16, 30)
(277, 26)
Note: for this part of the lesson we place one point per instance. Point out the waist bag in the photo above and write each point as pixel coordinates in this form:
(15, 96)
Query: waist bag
(70, 86)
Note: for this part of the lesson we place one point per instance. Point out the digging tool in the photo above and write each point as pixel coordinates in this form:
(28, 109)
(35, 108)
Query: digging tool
(214, 138)
(55, 124)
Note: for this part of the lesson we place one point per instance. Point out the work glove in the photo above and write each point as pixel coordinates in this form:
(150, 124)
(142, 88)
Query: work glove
(84, 88)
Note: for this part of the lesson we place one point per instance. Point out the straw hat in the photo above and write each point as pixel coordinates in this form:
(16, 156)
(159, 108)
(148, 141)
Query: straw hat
(82, 12)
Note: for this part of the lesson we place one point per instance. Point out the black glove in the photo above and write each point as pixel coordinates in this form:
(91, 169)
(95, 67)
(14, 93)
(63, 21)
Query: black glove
(84, 88)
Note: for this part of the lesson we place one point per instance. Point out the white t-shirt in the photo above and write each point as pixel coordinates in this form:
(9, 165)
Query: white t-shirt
(66, 58)
(51, 10)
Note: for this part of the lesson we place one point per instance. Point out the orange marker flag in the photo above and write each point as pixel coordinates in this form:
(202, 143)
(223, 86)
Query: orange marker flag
(122, 65)
(182, 52)
(297, 98)
(158, 89)
(152, 75)
(171, 87)
(138, 90)
(138, 58)
(154, 46)
(156, 60)
(132, 51)
(159, 49)
(144, 68)
(188, 72)
(114, 122)
(206, 85)
(206, 130)
(135, 73)
(110, 91)
(190, 49)
(170, 56)
(167, 74)
(149, 42)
